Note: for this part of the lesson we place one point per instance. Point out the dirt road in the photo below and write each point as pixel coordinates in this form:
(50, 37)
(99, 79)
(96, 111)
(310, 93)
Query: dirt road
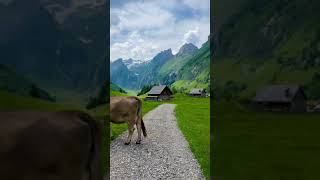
(164, 154)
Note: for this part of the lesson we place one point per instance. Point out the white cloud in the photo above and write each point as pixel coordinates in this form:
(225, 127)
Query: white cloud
(134, 47)
(192, 36)
(141, 29)
(114, 30)
(142, 15)
(198, 4)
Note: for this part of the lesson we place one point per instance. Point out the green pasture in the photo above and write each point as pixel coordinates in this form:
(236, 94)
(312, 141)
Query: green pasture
(193, 115)
(12, 102)
(255, 145)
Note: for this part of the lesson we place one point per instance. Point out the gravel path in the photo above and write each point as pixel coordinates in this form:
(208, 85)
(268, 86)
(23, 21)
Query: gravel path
(164, 154)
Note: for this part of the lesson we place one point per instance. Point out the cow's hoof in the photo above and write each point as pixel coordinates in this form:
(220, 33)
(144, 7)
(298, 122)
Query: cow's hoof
(126, 143)
(138, 142)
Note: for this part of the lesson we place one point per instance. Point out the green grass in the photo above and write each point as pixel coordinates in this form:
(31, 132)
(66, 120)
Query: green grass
(12, 102)
(72, 98)
(193, 115)
(187, 85)
(252, 145)
(117, 93)
(131, 92)
(256, 74)
(174, 65)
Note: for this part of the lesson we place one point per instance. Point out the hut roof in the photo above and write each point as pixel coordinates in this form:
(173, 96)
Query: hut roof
(317, 107)
(196, 91)
(157, 90)
(277, 93)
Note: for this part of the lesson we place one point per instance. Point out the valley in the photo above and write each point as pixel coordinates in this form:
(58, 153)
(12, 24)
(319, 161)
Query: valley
(58, 56)
(276, 42)
(257, 44)
(189, 68)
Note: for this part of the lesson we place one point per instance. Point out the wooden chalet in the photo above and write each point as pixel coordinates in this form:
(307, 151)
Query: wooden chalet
(199, 92)
(316, 108)
(159, 93)
(282, 98)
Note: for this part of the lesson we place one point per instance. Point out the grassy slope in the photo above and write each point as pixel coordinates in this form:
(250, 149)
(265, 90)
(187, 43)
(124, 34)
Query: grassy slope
(223, 10)
(12, 102)
(117, 93)
(198, 63)
(239, 72)
(195, 73)
(11, 81)
(266, 73)
(193, 117)
(173, 65)
(244, 37)
(250, 145)
(186, 85)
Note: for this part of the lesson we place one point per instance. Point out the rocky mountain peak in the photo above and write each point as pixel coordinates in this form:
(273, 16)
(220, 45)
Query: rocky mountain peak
(118, 62)
(164, 54)
(162, 57)
(187, 49)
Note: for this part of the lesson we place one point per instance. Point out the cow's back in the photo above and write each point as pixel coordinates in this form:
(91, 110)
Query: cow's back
(47, 145)
(123, 108)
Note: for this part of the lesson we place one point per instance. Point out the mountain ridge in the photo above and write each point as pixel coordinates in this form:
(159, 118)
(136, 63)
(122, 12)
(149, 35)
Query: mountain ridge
(13, 83)
(166, 68)
(187, 49)
(68, 55)
(268, 42)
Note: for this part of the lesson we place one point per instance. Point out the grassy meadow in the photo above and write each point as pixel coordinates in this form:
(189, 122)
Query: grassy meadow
(12, 102)
(277, 146)
(193, 116)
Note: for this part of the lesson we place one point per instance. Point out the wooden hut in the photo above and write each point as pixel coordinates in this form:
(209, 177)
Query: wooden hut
(316, 108)
(285, 98)
(159, 93)
(199, 92)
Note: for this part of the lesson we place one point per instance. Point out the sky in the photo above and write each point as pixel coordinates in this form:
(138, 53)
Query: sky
(139, 29)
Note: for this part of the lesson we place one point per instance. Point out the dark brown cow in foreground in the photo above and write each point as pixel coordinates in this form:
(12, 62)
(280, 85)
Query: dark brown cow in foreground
(128, 110)
(49, 146)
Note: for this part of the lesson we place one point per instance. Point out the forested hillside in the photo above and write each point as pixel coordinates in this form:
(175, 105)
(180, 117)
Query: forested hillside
(56, 44)
(267, 42)
(189, 68)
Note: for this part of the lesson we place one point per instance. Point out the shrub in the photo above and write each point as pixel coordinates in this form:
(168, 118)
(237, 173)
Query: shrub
(145, 89)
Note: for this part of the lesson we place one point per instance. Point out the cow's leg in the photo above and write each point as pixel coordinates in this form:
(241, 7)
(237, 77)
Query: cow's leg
(131, 129)
(139, 130)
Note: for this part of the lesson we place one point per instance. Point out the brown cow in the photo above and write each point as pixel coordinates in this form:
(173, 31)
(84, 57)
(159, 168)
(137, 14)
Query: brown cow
(125, 109)
(49, 145)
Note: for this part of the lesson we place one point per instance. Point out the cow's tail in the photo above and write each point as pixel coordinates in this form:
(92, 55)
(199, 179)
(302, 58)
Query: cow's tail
(94, 161)
(144, 131)
(139, 114)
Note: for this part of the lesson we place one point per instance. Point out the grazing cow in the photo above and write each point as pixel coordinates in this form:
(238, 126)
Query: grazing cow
(128, 110)
(49, 145)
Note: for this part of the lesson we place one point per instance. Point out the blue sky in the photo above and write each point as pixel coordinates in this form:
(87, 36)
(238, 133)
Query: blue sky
(142, 28)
